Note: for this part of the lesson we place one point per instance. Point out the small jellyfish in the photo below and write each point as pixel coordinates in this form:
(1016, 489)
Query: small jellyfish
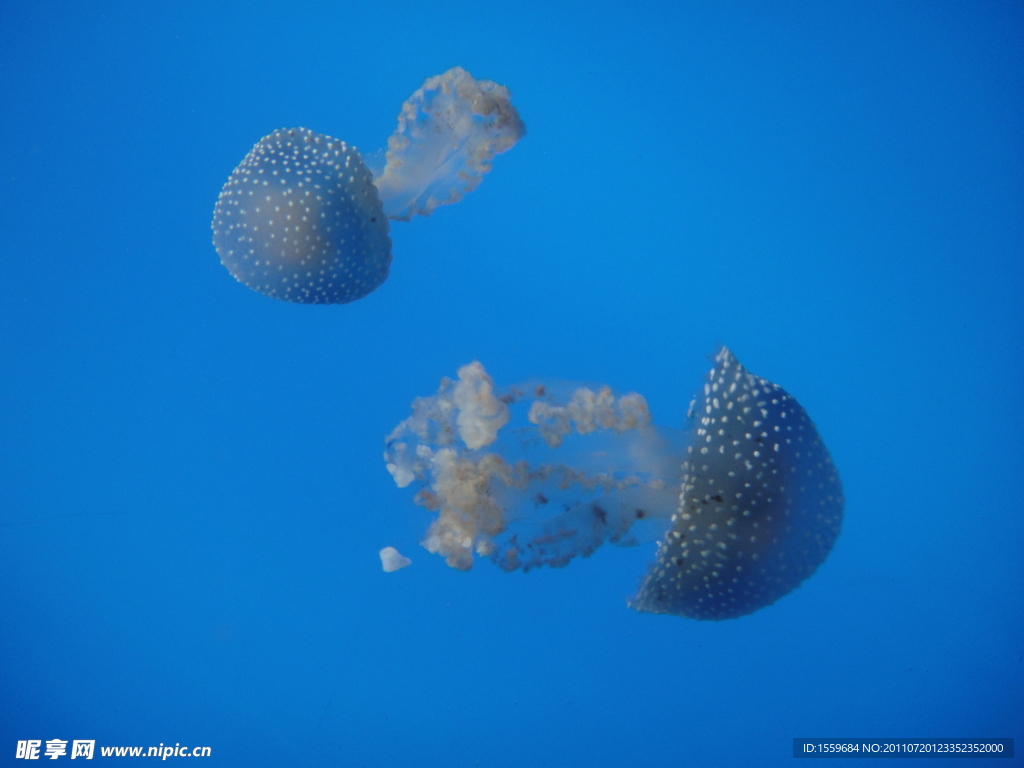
(302, 218)
(745, 504)
(392, 560)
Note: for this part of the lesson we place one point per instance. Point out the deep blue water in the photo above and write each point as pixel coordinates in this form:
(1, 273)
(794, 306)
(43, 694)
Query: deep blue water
(192, 495)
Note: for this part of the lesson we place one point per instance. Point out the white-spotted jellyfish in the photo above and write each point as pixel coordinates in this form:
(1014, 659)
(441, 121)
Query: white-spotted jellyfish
(302, 218)
(744, 504)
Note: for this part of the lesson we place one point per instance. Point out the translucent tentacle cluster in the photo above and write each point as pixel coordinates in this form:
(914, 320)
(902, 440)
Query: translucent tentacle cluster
(531, 475)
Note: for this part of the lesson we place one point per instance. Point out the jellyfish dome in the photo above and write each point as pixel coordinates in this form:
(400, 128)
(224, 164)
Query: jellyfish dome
(300, 220)
(303, 219)
(744, 504)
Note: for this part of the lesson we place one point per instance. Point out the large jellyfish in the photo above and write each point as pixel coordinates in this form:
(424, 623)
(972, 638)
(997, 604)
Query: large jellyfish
(303, 219)
(745, 503)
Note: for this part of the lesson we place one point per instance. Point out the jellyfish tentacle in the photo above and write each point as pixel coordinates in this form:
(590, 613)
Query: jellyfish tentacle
(511, 472)
(448, 133)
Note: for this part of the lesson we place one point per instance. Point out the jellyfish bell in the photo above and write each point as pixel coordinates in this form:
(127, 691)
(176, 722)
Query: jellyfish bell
(760, 506)
(303, 219)
(300, 220)
(745, 504)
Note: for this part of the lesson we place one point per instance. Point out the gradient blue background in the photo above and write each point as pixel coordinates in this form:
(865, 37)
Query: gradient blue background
(191, 488)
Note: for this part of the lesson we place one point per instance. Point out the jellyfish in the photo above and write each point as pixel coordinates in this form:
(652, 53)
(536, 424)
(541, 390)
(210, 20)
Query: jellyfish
(392, 560)
(741, 506)
(304, 219)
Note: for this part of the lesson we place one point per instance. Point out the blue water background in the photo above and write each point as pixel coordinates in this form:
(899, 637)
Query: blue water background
(192, 494)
